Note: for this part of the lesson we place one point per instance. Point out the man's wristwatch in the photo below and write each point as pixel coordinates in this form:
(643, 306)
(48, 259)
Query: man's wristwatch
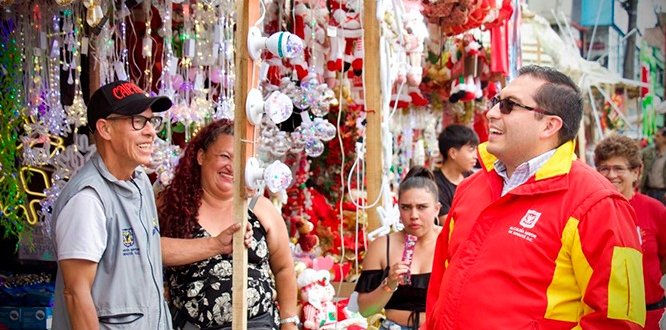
(292, 319)
(387, 287)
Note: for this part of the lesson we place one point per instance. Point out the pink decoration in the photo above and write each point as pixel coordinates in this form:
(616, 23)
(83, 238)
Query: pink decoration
(177, 81)
(216, 75)
(322, 263)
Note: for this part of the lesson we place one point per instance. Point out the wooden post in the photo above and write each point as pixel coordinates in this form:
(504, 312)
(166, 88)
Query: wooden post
(246, 11)
(373, 102)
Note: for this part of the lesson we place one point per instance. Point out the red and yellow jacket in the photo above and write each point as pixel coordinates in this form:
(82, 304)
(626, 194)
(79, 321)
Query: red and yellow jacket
(560, 251)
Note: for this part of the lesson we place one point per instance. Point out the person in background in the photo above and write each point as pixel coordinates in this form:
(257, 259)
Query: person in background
(379, 286)
(653, 179)
(536, 239)
(457, 145)
(618, 159)
(105, 222)
(198, 203)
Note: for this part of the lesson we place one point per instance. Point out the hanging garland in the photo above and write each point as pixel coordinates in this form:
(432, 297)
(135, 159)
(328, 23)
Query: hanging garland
(12, 197)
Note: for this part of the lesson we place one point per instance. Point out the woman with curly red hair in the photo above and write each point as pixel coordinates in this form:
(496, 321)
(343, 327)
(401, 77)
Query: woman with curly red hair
(198, 203)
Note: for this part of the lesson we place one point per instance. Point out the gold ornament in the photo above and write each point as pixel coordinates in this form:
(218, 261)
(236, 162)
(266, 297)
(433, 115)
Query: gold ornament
(6, 3)
(64, 2)
(94, 14)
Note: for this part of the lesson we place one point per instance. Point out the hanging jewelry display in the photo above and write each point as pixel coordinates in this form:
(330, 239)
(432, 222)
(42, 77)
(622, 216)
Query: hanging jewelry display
(225, 74)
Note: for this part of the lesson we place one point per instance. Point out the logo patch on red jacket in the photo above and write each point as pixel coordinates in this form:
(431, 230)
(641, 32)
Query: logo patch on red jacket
(530, 219)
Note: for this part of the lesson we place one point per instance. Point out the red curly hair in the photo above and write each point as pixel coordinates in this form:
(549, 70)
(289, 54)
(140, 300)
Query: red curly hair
(178, 204)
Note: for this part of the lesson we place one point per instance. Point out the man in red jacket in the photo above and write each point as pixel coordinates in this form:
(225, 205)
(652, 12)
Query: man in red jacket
(536, 239)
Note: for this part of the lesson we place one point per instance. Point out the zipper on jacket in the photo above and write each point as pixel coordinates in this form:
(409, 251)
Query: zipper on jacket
(150, 262)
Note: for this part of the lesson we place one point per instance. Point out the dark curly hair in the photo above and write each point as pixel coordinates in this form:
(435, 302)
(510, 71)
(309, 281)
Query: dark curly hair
(179, 202)
(618, 146)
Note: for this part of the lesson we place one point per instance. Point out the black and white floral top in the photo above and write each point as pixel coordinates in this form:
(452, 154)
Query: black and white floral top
(202, 291)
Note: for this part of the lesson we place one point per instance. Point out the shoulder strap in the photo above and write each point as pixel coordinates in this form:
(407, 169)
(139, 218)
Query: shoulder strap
(388, 244)
(388, 262)
(252, 202)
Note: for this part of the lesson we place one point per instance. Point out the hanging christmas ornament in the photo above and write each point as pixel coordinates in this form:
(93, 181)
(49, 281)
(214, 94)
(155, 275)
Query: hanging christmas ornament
(280, 144)
(314, 147)
(278, 107)
(164, 160)
(324, 130)
(94, 14)
(276, 176)
(297, 142)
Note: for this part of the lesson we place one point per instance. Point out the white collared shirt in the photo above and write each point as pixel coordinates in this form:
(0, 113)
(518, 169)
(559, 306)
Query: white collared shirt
(523, 172)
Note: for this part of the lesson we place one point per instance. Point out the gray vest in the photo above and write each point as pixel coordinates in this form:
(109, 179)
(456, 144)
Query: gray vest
(127, 290)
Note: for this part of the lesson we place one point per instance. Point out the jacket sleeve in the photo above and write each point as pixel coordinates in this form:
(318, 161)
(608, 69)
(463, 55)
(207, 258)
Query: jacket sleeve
(607, 263)
(438, 268)
(660, 222)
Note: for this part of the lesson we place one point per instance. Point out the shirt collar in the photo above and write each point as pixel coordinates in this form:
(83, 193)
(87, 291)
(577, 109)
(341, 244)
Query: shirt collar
(522, 172)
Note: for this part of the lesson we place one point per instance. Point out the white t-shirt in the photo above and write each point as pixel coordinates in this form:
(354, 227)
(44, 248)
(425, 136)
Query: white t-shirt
(80, 230)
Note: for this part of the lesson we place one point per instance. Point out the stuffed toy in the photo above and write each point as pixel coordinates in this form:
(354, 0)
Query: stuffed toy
(317, 295)
(416, 33)
(345, 35)
(405, 29)
(307, 239)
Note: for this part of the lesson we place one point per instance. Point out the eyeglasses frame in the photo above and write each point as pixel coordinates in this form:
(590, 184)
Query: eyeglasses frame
(508, 104)
(144, 118)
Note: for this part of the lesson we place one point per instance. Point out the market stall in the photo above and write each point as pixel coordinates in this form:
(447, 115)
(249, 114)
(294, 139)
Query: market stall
(347, 94)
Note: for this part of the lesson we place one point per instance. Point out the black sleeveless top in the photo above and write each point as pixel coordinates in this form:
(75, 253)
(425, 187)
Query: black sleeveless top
(410, 297)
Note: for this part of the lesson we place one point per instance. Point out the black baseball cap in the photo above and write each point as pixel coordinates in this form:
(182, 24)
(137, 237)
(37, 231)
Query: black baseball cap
(122, 98)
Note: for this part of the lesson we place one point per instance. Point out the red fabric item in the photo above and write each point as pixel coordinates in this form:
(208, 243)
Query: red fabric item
(401, 104)
(499, 57)
(301, 71)
(299, 26)
(651, 223)
(496, 255)
(335, 65)
(504, 13)
(645, 78)
(481, 126)
(274, 75)
(418, 99)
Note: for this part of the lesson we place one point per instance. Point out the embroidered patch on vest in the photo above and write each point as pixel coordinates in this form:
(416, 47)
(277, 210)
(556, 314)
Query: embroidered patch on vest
(128, 237)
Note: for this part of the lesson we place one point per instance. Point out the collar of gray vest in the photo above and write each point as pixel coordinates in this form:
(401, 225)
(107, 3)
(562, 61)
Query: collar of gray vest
(124, 187)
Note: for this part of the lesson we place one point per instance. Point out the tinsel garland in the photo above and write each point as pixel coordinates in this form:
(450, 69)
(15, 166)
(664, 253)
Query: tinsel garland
(12, 197)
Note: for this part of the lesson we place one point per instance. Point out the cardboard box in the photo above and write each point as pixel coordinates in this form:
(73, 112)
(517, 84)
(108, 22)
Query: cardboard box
(10, 318)
(36, 318)
(343, 289)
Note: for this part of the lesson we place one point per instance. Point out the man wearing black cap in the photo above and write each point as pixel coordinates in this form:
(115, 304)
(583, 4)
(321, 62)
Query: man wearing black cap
(106, 230)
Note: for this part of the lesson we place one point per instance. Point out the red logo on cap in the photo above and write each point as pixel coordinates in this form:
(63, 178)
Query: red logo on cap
(124, 90)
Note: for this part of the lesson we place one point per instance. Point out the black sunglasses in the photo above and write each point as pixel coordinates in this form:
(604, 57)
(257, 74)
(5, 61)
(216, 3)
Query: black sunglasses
(506, 106)
(139, 121)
